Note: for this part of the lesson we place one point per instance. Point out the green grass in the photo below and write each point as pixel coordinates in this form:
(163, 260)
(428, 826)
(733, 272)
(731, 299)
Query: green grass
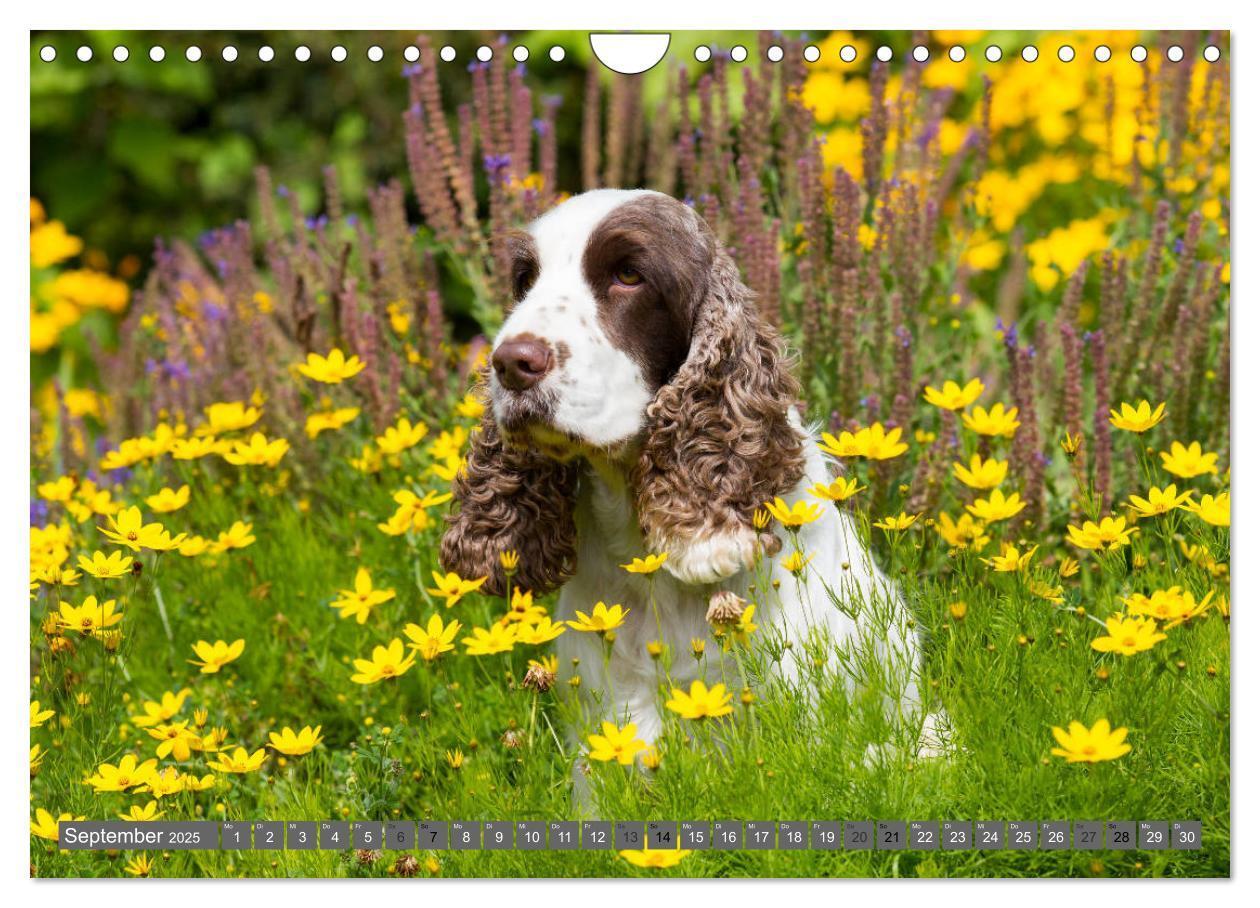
(1014, 666)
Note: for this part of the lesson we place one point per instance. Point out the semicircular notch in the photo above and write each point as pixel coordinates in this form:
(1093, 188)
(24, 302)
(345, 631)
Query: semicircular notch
(629, 54)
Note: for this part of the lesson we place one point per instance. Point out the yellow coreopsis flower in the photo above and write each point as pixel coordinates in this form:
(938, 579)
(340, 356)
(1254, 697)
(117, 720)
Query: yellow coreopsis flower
(997, 506)
(1128, 636)
(799, 514)
(1213, 509)
(1174, 606)
(840, 489)
(453, 587)
(89, 618)
(654, 858)
(386, 662)
(194, 546)
(359, 602)
(1108, 533)
(1010, 559)
(51, 243)
(237, 536)
(522, 608)
(213, 656)
(45, 825)
(449, 443)
(400, 437)
(59, 490)
(602, 618)
(156, 711)
(536, 633)
(1093, 745)
(795, 563)
(1188, 462)
(257, 452)
(175, 739)
(331, 369)
(168, 500)
(896, 522)
(701, 702)
(953, 397)
(741, 630)
(471, 406)
(140, 866)
(326, 420)
(239, 761)
(128, 528)
(1138, 420)
(115, 564)
(194, 448)
(500, 638)
(434, 639)
(967, 531)
(296, 744)
(996, 421)
(229, 416)
(872, 442)
(39, 716)
(649, 565)
(1158, 501)
(509, 559)
(620, 744)
(128, 773)
(988, 473)
(145, 814)
(1043, 590)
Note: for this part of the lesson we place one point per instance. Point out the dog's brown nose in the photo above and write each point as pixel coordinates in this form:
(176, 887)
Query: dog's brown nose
(521, 362)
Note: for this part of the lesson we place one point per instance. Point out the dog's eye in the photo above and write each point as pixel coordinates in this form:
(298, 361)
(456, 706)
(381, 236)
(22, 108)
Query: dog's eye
(627, 276)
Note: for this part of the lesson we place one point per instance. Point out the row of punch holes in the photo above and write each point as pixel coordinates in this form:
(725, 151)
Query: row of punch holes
(848, 53)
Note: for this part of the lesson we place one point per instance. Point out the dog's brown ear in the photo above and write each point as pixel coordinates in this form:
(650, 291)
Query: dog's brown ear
(511, 499)
(719, 442)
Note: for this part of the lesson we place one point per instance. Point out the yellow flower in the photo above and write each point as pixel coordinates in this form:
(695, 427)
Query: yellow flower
(160, 711)
(37, 758)
(359, 602)
(258, 452)
(1128, 636)
(1188, 462)
(90, 617)
(400, 437)
(1108, 533)
(615, 743)
(453, 586)
(982, 474)
(145, 814)
(58, 490)
(434, 639)
(602, 618)
(193, 448)
(228, 417)
(128, 528)
(1010, 560)
(386, 662)
(471, 406)
(168, 500)
(215, 655)
(449, 443)
(702, 702)
(840, 489)
(455, 758)
(1158, 501)
(958, 610)
(654, 858)
(742, 629)
(325, 420)
(175, 739)
(237, 536)
(1069, 567)
(896, 522)
(523, 608)
(194, 546)
(40, 716)
(127, 774)
(509, 559)
(141, 865)
(45, 824)
(871, 442)
(1174, 606)
(953, 397)
(649, 565)
(1043, 590)
(412, 512)
(293, 744)
(539, 632)
(1093, 745)
(799, 514)
(240, 761)
(1139, 420)
(966, 532)
(115, 564)
(997, 506)
(1213, 509)
(50, 244)
(331, 369)
(795, 563)
(1071, 444)
(995, 421)
(500, 638)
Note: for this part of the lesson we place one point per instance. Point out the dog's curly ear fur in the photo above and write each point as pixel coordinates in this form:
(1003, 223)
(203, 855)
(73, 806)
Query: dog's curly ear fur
(719, 442)
(511, 498)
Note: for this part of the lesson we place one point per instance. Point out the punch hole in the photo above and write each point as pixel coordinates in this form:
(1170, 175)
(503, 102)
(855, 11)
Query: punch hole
(739, 53)
(1102, 53)
(848, 53)
(229, 54)
(411, 53)
(339, 54)
(484, 53)
(1066, 54)
(1176, 54)
(993, 53)
(957, 53)
(883, 53)
(703, 54)
(774, 53)
(375, 54)
(556, 53)
(84, 53)
(1211, 53)
(520, 53)
(157, 54)
(1138, 53)
(1029, 54)
(811, 54)
(193, 54)
(301, 53)
(920, 54)
(266, 53)
(48, 53)
(121, 53)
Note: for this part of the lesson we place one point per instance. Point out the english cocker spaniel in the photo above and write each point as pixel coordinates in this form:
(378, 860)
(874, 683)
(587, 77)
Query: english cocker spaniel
(640, 404)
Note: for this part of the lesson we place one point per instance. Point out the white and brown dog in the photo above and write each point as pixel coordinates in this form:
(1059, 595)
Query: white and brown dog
(639, 403)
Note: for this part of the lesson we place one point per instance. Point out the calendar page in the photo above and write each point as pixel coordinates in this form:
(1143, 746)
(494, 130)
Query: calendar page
(511, 454)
